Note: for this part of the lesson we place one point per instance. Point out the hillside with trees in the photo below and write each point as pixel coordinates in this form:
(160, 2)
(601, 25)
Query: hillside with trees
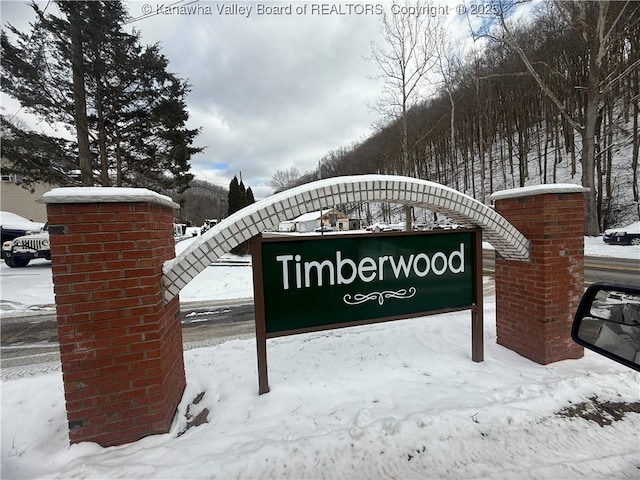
(202, 200)
(552, 100)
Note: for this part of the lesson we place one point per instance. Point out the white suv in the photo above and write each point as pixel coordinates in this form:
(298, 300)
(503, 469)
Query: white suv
(21, 250)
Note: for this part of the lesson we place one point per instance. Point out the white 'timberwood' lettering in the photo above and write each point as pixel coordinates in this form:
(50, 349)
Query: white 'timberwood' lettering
(344, 271)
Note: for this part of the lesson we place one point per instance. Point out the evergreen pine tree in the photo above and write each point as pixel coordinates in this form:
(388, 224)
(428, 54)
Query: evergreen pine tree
(82, 71)
(249, 196)
(234, 198)
(239, 197)
(243, 193)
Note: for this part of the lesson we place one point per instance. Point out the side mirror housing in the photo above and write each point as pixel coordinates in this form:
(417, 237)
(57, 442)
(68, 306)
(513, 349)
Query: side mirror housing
(608, 322)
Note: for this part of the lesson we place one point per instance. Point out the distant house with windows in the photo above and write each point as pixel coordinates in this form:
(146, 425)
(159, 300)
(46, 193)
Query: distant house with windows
(312, 221)
(15, 199)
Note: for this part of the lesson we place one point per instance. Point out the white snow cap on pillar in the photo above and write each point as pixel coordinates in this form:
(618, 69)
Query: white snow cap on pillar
(106, 195)
(538, 190)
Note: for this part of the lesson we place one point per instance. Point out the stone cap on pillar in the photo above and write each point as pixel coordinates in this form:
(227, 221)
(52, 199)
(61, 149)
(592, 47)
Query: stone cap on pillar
(106, 195)
(538, 190)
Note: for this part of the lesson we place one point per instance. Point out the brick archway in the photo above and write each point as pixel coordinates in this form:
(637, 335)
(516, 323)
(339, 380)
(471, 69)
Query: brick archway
(116, 285)
(250, 221)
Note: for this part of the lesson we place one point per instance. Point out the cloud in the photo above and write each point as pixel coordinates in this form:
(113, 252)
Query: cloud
(268, 91)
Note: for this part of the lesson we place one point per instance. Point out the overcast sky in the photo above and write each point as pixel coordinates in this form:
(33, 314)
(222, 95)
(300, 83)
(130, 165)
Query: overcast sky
(270, 91)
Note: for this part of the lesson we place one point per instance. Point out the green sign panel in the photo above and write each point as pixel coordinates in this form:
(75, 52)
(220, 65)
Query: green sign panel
(319, 282)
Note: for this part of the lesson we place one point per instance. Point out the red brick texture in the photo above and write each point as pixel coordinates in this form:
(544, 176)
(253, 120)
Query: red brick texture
(536, 300)
(120, 346)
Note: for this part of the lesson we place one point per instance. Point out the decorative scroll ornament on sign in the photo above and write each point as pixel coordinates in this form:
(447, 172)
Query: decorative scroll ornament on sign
(360, 298)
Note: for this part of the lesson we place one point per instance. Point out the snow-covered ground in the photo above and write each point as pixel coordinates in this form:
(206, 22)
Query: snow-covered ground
(393, 400)
(595, 247)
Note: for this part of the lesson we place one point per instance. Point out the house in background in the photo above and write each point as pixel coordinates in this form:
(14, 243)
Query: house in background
(310, 222)
(21, 201)
(15, 199)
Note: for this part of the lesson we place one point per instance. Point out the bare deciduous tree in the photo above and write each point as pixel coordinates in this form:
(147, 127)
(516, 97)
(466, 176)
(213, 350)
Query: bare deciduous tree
(405, 59)
(285, 179)
(597, 23)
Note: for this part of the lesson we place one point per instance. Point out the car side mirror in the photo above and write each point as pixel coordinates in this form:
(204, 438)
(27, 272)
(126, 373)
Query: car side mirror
(608, 322)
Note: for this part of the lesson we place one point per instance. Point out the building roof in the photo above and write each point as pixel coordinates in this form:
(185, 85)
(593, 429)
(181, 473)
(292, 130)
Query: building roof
(307, 217)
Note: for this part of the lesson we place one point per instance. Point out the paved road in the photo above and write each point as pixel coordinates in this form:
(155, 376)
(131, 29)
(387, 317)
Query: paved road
(596, 269)
(612, 270)
(32, 340)
(29, 341)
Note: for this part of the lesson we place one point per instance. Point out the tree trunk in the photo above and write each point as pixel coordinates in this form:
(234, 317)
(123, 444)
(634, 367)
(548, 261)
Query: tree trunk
(636, 140)
(408, 218)
(79, 96)
(102, 137)
(453, 149)
(609, 154)
(510, 147)
(480, 144)
(589, 144)
(490, 156)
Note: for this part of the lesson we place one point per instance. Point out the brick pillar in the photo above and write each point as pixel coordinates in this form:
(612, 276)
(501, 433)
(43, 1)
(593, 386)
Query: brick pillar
(536, 300)
(120, 345)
